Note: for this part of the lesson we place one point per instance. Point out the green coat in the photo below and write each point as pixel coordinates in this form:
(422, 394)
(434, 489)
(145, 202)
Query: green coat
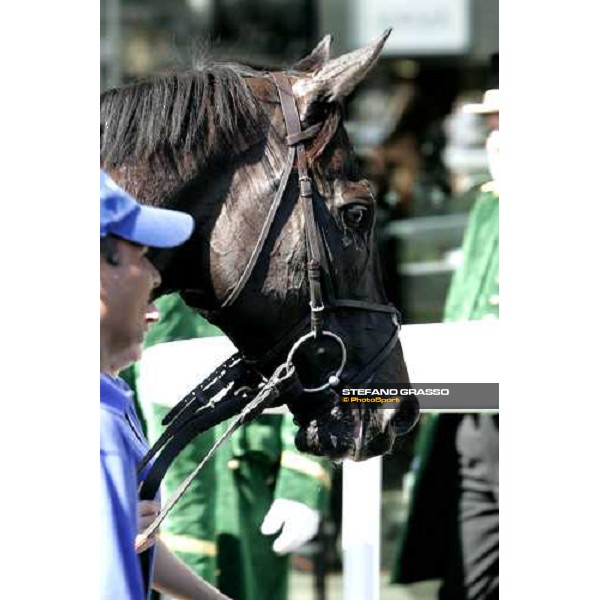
(220, 516)
(474, 291)
(259, 465)
(429, 539)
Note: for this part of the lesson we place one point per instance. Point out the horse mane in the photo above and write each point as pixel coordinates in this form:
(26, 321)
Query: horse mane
(207, 112)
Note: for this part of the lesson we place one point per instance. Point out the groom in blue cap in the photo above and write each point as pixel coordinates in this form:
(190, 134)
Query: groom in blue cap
(127, 279)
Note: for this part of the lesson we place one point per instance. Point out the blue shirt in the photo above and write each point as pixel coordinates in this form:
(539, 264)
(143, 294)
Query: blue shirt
(122, 444)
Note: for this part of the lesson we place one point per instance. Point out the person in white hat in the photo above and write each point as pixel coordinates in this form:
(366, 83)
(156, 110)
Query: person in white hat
(489, 109)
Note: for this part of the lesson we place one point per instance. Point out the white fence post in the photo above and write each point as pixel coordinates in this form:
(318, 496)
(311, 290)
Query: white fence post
(361, 527)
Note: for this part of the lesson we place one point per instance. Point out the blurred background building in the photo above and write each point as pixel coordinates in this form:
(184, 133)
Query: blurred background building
(425, 157)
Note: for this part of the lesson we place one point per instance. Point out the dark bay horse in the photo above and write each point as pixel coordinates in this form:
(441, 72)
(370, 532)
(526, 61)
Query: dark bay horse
(214, 141)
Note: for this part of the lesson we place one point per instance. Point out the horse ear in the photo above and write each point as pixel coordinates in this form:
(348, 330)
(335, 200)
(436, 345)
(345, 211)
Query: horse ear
(337, 78)
(316, 59)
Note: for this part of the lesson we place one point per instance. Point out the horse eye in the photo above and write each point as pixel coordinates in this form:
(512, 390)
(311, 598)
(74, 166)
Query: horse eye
(355, 215)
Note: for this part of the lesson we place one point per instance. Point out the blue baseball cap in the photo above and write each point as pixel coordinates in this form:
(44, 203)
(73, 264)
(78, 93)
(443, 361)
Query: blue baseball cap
(122, 216)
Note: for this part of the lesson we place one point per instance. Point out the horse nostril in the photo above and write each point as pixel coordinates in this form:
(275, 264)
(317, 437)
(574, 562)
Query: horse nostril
(377, 445)
(406, 417)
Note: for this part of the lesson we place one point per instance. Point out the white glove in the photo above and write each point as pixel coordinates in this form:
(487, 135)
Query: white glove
(298, 523)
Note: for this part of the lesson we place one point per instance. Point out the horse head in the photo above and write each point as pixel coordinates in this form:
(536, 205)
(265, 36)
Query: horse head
(216, 142)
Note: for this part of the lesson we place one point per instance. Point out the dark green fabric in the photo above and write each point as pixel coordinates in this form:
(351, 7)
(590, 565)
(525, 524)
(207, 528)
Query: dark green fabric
(294, 484)
(177, 322)
(248, 568)
(249, 479)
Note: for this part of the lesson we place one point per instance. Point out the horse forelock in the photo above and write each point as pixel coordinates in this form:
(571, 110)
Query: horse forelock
(207, 113)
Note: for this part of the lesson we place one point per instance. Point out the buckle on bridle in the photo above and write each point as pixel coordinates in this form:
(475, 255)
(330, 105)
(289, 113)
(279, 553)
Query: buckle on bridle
(305, 186)
(320, 308)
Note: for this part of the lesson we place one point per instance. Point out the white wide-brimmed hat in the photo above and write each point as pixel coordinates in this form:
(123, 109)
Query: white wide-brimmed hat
(489, 105)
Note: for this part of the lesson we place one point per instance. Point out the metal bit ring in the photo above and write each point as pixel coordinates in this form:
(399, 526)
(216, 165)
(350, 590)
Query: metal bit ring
(333, 379)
